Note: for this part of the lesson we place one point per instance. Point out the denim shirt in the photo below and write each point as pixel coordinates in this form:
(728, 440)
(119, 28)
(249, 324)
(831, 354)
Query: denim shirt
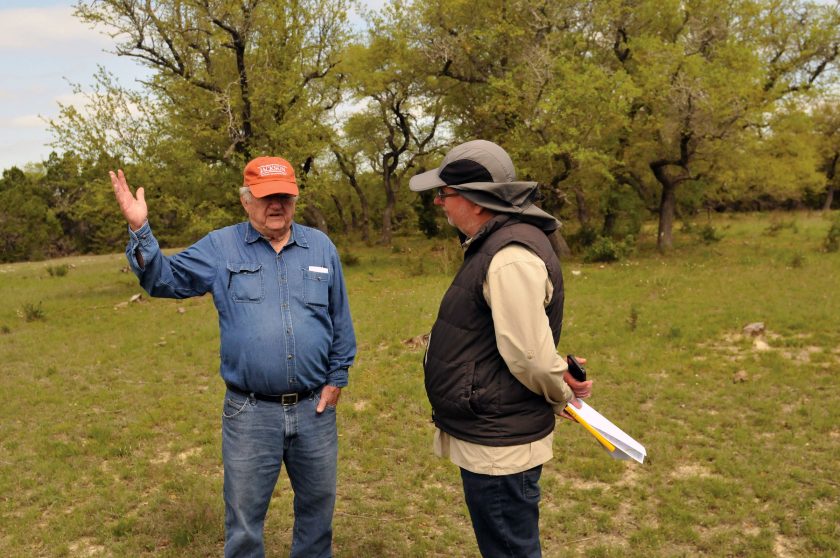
(284, 318)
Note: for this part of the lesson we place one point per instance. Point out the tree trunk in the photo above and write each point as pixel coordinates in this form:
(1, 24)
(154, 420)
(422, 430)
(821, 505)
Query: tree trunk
(610, 218)
(830, 174)
(339, 208)
(313, 217)
(667, 209)
(559, 245)
(387, 213)
(582, 211)
(829, 198)
(390, 205)
(667, 206)
(365, 224)
(350, 172)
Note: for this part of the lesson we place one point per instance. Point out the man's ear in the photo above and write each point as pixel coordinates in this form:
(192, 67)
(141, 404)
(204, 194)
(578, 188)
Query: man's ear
(243, 200)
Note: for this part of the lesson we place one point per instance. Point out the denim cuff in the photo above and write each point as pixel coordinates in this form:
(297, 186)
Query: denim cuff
(142, 242)
(140, 237)
(338, 378)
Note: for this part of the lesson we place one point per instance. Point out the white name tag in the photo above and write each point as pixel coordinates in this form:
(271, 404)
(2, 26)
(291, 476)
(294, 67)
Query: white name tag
(317, 269)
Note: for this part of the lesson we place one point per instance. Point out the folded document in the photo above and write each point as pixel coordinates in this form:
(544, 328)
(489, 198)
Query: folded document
(614, 439)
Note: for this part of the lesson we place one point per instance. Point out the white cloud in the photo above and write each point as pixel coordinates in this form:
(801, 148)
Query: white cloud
(46, 29)
(77, 100)
(27, 121)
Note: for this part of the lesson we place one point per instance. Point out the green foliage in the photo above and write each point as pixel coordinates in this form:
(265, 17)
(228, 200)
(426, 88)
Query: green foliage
(349, 259)
(606, 249)
(778, 225)
(28, 227)
(427, 214)
(59, 270)
(709, 234)
(31, 312)
(582, 238)
(619, 110)
(832, 238)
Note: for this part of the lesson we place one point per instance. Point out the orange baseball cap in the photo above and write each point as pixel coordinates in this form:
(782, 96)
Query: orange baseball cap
(270, 175)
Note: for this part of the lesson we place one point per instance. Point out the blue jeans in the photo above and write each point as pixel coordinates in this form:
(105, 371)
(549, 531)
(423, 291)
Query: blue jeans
(258, 437)
(505, 512)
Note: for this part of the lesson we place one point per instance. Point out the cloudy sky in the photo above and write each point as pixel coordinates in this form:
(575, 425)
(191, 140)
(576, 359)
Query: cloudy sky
(43, 49)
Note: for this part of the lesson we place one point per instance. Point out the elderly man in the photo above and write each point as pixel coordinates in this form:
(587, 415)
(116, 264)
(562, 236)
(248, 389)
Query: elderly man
(287, 342)
(492, 372)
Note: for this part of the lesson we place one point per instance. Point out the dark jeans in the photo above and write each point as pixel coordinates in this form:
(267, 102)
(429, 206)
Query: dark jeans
(505, 513)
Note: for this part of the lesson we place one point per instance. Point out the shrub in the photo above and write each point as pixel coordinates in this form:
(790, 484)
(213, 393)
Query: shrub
(633, 318)
(583, 238)
(58, 270)
(427, 214)
(708, 234)
(776, 226)
(31, 312)
(832, 239)
(606, 249)
(349, 259)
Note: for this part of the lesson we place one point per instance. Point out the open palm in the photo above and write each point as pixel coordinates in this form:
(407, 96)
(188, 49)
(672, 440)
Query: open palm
(133, 209)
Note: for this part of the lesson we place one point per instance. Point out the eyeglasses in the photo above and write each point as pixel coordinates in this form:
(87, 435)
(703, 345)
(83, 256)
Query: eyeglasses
(285, 199)
(441, 194)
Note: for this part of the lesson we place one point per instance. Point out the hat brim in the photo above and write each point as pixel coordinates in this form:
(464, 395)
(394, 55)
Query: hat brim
(264, 189)
(425, 181)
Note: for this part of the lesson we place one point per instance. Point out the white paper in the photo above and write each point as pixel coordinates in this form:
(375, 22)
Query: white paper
(317, 269)
(625, 446)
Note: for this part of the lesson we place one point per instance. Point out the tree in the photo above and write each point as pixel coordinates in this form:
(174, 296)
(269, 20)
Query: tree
(28, 227)
(707, 71)
(348, 165)
(529, 75)
(236, 79)
(827, 125)
(399, 123)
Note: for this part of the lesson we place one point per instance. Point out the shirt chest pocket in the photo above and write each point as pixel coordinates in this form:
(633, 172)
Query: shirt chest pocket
(245, 282)
(316, 287)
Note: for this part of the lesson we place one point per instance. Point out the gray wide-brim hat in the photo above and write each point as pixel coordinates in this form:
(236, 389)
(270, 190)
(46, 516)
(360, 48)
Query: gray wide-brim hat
(483, 173)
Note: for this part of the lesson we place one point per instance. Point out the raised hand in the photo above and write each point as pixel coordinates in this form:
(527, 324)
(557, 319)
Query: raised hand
(133, 209)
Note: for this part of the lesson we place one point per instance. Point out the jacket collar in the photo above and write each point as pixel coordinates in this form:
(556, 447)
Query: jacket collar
(486, 230)
(297, 236)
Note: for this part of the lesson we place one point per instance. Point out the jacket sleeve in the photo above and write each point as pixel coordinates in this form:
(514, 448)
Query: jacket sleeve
(343, 348)
(517, 288)
(185, 274)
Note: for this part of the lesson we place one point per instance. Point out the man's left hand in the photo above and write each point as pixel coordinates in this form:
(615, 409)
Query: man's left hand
(329, 396)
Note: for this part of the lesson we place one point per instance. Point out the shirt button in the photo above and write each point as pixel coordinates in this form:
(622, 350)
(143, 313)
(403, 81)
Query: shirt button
(291, 357)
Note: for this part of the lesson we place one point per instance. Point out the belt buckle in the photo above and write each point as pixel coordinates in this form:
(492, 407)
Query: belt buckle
(289, 399)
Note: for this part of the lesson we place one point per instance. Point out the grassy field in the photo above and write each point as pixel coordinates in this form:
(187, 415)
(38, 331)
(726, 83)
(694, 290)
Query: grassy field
(110, 424)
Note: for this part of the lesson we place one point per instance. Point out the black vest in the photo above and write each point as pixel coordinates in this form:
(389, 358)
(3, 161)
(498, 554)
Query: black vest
(474, 396)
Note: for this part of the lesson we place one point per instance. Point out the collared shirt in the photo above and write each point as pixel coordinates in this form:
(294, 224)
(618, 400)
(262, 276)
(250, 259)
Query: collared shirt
(517, 289)
(284, 317)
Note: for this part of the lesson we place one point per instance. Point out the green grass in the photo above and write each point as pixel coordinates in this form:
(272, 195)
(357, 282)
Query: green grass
(110, 442)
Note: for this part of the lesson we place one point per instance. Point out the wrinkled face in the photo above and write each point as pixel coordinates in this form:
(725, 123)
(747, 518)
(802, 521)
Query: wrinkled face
(270, 215)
